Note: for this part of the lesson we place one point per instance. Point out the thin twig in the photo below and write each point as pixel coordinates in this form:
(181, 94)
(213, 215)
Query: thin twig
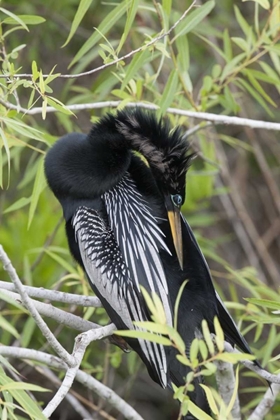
(52, 340)
(117, 60)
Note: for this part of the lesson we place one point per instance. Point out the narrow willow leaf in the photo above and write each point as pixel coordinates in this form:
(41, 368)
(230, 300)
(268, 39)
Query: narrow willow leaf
(242, 21)
(241, 43)
(6, 326)
(207, 337)
(177, 303)
(183, 359)
(39, 185)
(169, 92)
(234, 357)
(227, 45)
(177, 339)
(27, 19)
(197, 412)
(231, 65)
(210, 399)
(193, 19)
(61, 261)
(136, 63)
(129, 22)
(254, 94)
(82, 9)
(22, 398)
(16, 18)
(7, 150)
(167, 6)
(58, 105)
(152, 327)
(219, 334)
(264, 302)
(263, 3)
(155, 338)
(148, 300)
(106, 24)
(22, 202)
(258, 87)
(194, 350)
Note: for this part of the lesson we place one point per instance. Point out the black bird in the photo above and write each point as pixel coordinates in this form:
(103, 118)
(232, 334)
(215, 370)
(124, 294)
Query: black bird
(125, 228)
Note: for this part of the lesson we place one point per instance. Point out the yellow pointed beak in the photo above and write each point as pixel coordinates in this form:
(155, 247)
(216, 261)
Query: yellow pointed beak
(175, 225)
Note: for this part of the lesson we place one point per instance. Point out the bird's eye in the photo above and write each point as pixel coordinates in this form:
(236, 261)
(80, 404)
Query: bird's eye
(177, 200)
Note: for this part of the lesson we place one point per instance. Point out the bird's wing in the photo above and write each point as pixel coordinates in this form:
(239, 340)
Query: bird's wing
(227, 323)
(109, 274)
(139, 238)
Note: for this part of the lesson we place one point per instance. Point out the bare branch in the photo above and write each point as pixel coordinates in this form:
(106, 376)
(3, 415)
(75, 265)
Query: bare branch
(62, 317)
(54, 343)
(226, 381)
(81, 343)
(55, 295)
(214, 118)
(270, 377)
(266, 403)
(91, 383)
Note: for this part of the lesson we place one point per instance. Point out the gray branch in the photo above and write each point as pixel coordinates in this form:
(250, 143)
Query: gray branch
(91, 383)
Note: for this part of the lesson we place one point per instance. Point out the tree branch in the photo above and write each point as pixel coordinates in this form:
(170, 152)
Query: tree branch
(91, 383)
(266, 403)
(54, 343)
(55, 295)
(214, 118)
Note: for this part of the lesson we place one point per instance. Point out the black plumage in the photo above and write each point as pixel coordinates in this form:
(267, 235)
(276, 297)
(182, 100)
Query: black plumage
(125, 228)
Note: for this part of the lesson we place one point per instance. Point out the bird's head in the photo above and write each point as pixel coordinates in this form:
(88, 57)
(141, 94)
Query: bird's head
(166, 152)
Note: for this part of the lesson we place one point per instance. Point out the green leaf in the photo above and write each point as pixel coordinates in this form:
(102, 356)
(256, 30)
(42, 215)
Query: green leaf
(169, 92)
(152, 327)
(183, 359)
(108, 23)
(234, 357)
(6, 326)
(197, 412)
(58, 105)
(27, 332)
(219, 334)
(82, 9)
(254, 94)
(258, 87)
(263, 3)
(207, 337)
(22, 202)
(27, 19)
(136, 63)
(61, 261)
(22, 397)
(177, 303)
(241, 43)
(210, 399)
(242, 21)
(193, 19)
(167, 6)
(227, 45)
(159, 339)
(39, 185)
(230, 67)
(14, 17)
(177, 339)
(129, 22)
(265, 302)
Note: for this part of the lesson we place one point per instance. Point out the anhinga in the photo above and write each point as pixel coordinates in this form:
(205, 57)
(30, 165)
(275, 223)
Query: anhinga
(125, 228)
